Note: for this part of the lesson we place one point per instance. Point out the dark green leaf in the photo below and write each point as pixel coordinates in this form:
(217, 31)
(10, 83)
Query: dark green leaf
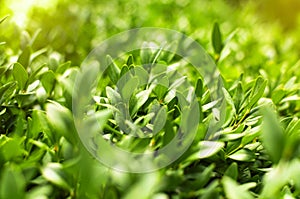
(217, 39)
(20, 75)
(130, 61)
(232, 171)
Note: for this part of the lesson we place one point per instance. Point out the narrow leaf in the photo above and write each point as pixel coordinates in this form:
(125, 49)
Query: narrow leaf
(217, 39)
(272, 134)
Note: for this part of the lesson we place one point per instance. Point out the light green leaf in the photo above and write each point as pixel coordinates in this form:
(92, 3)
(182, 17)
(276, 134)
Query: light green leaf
(112, 70)
(63, 67)
(244, 155)
(160, 120)
(113, 95)
(12, 182)
(129, 88)
(209, 148)
(234, 190)
(145, 53)
(61, 120)
(53, 172)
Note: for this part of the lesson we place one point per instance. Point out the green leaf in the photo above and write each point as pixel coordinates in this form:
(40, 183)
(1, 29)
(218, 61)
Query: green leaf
(217, 39)
(280, 175)
(113, 95)
(141, 99)
(145, 54)
(12, 182)
(3, 70)
(39, 124)
(35, 74)
(244, 155)
(61, 120)
(230, 102)
(112, 70)
(34, 37)
(129, 88)
(142, 74)
(232, 171)
(53, 172)
(41, 191)
(147, 183)
(161, 88)
(238, 96)
(293, 127)
(256, 92)
(12, 148)
(124, 70)
(24, 57)
(169, 51)
(6, 91)
(278, 95)
(95, 122)
(199, 88)
(209, 148)
(48, 81)
(63, 67)
(160, 120)
(20, 75)
(272, 134)
(129, 60)
(234, 190)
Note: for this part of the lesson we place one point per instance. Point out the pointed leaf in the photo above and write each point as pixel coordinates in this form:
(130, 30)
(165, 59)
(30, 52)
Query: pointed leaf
(217, 39)
(209, 148)
(20, 75)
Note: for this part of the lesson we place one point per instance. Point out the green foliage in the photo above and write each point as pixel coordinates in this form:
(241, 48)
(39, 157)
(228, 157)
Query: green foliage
(254, 153)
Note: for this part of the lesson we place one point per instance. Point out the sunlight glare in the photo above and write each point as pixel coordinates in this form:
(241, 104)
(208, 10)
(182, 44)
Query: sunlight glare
(21, 9)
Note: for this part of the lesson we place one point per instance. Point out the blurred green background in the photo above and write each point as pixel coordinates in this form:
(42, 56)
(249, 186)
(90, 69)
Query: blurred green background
(73, 28)
(261, 38)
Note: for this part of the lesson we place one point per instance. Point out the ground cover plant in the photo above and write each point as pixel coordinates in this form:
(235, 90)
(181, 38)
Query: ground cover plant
(253, 153)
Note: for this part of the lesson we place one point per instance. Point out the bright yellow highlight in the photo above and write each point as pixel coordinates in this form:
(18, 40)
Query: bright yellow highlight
(21, 9)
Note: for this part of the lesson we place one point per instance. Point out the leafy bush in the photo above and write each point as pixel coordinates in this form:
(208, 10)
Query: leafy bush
(254, 153)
